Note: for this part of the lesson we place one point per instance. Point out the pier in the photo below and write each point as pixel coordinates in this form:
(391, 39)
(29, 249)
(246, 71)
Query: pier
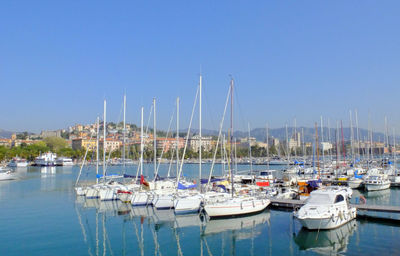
(289, 203)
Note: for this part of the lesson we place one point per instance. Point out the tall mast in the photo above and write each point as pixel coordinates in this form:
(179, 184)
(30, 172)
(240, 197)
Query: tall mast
(322, 143)
(104, 138)
(329, 139)
(287, 147)
(352, 138)
(231, 137)
(177, 137)
(124, 133)
(343, 146)
(296, 139)
(154, 137)
(267, 146)
(358, 135)
(337, 144)
(317, 148)
(251, 161)
(141, 142)
(200, 139)
(97, 149)
(304, 145)
(394, 149)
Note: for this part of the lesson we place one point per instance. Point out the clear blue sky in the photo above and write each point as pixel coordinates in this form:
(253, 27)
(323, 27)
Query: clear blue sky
(303, 59)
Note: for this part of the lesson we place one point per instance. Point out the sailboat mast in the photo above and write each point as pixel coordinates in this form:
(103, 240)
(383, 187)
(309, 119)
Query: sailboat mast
(104, 139)
(177, 137)
(358, 135)
(124, 133)
(343, 146)
(251, 160)
(287, 147)
(317, 148)
(154, 137)
(322, 144)
(97, 149)
(141, 142)
(231, 137)
(200, 139)
(267, 146)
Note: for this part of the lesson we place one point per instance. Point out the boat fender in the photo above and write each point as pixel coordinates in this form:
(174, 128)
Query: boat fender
(253, 204)
(333, 217)
(241, 205)
(341, 215)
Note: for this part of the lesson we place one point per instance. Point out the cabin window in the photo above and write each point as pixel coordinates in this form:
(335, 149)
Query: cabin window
(339, 198)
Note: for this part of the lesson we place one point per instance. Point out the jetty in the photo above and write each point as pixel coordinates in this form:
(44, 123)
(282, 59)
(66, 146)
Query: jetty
(290, 203)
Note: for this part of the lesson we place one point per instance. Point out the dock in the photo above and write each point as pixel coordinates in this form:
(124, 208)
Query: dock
(288, 203)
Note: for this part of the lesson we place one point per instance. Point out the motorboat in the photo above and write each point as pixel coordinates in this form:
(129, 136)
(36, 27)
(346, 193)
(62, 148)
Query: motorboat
(326, 208)
(18, 162)
(7, 174)
(46, 159)
(354, 182)
(64, 161)
(377, 182)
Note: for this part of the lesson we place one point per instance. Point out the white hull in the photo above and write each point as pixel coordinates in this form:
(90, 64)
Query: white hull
(236, 206)
(19, 164)
(92, 192)
(107, 194)
(125, 197)
(163, 201)
(7, 176)
(80, 191)
(188, 204)
(329, 223)
(141, 199)
(357, 183)
(375, 187)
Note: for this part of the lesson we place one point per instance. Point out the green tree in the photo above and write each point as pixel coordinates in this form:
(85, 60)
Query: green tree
(55, 143)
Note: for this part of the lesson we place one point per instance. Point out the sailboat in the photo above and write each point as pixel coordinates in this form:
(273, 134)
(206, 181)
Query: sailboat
(235, 205)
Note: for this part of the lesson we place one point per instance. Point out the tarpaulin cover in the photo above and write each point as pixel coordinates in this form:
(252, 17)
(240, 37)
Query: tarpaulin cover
(205, 181)
(181, 186)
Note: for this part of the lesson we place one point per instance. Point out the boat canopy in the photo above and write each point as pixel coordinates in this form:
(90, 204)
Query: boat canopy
(205, 181)
(181, 186)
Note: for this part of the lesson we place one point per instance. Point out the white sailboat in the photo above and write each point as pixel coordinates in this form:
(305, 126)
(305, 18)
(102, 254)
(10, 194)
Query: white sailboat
(235, 205)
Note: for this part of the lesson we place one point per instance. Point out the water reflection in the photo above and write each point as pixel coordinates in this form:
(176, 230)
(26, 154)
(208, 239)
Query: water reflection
(146, 230)
(326, 241)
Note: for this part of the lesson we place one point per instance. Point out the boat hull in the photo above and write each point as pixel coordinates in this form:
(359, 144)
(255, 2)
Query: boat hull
(330, 222)
(375, 187)
(236, 208)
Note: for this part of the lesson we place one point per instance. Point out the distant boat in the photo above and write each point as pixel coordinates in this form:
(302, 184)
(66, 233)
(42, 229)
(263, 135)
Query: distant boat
(7, 174)
(18, 162)
(64, 161)
(46, 159)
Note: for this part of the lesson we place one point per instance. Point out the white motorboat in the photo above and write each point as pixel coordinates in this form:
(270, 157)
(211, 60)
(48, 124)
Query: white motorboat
(7, 174)
(326, 208)
(354, 182)
(18, 162)
(377, 182)
(46, 159)
(235, 206)
(64, 161)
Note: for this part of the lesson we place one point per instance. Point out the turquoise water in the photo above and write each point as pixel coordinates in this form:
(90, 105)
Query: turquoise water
(40, 215)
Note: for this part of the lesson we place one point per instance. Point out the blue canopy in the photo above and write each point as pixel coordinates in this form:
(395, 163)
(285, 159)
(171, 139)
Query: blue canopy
(181, 186)
(205, 181)
(107, 176)
(313, 183)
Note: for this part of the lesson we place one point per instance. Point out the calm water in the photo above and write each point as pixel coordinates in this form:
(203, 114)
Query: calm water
(40, 215)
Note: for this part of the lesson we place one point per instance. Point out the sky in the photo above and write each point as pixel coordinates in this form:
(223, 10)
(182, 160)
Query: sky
(289, 59)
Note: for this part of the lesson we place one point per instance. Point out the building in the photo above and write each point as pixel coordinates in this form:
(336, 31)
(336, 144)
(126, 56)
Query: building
(111, 144)
(169, 143)
(295, 141)
(325, 146)
(5, 142)
(83, 143)
(45, 134)
(206, 143)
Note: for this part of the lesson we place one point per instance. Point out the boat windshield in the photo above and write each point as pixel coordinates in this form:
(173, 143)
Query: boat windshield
(319, 199)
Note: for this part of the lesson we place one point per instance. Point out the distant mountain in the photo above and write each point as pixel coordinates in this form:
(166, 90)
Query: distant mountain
(5, 134)
(309, 133)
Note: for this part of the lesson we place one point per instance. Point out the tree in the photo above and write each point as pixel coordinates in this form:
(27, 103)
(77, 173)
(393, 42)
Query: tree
(55, 143)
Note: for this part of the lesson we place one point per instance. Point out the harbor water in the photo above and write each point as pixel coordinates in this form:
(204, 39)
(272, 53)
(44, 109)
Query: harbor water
(41, 215)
